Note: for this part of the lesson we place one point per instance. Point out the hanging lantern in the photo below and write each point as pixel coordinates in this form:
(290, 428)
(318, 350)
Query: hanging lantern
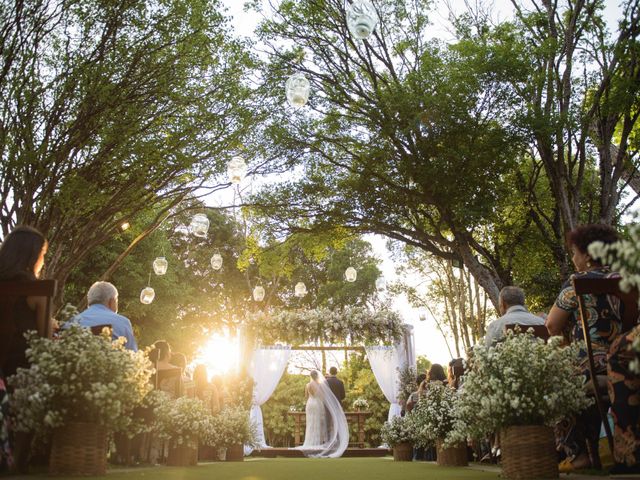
(258, 293)
(236, 170)
(199, 225)
(361, 19)
(160, 266)
(381, 284)
(125, 226)
(216, 261)
(297, 89)
(147, 295)
(350, 274)
(300, 290)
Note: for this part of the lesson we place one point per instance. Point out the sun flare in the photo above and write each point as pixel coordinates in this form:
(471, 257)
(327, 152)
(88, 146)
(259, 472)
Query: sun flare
(219, 354)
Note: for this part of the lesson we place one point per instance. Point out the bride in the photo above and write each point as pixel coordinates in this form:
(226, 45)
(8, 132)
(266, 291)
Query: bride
(327, 432)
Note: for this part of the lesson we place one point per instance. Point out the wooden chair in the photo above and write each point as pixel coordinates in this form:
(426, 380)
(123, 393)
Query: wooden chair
(97, 329)
(10, 292)
(539, 331)
(604, 286)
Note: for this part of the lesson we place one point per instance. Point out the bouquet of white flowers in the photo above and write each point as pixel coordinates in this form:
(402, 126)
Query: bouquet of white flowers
(436, 417)
(182, 421)
(360, 404)
(398, 430)
(622, 256)
(230, 427)
(521, 381)
(79, 377)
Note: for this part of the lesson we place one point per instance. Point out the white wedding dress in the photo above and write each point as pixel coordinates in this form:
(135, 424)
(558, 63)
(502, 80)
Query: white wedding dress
(327, 431)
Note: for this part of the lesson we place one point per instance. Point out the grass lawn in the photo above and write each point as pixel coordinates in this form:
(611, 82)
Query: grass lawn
(305, 469)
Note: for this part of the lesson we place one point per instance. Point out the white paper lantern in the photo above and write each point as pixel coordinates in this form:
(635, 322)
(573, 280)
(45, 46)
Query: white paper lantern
(381, 284)
(258, 293)
(300, 290)
(361, 19)
(199, 225)
(236, 170)
(297, 89)
(160, 266)
(147, 295)
(350, 274)
(216, 261)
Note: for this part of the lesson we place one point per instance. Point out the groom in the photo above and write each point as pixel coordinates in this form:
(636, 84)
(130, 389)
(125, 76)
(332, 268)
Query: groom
(336, 385)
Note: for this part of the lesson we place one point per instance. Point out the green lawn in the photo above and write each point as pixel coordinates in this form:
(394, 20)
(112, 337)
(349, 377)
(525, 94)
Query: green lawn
(305, 469)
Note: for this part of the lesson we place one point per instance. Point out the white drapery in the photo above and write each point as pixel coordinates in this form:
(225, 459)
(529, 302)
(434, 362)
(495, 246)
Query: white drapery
(266, 368)
(386, 363)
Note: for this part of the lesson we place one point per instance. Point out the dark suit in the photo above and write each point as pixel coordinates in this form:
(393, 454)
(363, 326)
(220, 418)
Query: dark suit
(337, 387)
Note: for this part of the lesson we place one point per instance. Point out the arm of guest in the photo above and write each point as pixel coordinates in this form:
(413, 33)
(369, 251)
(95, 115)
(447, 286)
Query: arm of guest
(557, 320)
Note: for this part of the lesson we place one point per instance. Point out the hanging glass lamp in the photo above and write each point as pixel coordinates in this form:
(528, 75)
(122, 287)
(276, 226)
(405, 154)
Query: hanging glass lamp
(160, 266)
(361, 19)
(350, 274)
(236, 170)
(125, 226)
(297, 89)
(258, 293)
(147, 295)
(300, 290)
(199, 225)
(216, 261)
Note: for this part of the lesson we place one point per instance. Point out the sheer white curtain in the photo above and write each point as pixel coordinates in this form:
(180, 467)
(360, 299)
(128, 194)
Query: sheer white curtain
(386, 363)
(266, 368)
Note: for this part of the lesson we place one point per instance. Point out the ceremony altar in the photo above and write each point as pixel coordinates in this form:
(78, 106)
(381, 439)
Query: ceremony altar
(352, 417)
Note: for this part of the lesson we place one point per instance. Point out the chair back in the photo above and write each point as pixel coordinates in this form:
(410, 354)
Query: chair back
(173, 377)
(539, 331)
(10, 292)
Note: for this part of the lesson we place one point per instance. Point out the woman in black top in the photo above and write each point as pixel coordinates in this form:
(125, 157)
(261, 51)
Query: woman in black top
(22, 258)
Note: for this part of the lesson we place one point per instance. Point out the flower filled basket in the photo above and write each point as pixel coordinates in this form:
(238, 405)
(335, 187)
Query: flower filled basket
(181, 422)
(79, 387)
(521, 387)
(399, 433)
(437, 422)
(231, 429)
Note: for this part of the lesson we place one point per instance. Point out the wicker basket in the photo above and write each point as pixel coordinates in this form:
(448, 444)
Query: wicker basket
(235, 453)
(207, 453)
(182, 456)
(451, 456)
(403, 452)
(79, 448)
(528, 452)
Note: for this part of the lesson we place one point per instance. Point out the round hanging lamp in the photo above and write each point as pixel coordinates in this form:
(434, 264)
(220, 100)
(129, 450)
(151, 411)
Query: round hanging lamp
(160, 266)
(300, 290)
(199, 225)
(147, 295)
(258, 293)
(350, 274)
(236, 170)
(361, 19)
(216, 261)
(297, 89)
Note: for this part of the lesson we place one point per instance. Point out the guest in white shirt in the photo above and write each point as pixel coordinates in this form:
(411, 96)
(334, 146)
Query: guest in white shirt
(511, 303)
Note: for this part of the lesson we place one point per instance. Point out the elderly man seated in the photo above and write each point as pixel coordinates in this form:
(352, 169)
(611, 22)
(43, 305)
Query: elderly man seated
(511, 303)
(102, 299)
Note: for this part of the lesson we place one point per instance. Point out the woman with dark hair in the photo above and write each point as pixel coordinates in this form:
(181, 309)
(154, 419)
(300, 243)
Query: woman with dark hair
(168, 376)
(22, 259)
(436, 373)
(581, 441)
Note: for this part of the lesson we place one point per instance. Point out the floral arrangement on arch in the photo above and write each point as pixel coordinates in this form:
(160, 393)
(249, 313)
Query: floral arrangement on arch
(436, 417)
(182, 420)
(521, 381)
(360, 404)
(79, 377)
(330, 326)
(229, 427)
(398, 430)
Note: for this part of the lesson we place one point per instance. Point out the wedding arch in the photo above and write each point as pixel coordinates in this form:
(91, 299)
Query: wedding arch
(272, 336)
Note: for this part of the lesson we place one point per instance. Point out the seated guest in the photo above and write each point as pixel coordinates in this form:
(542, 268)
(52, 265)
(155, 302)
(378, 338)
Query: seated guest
(605, 326)
(512, 309)
(161, 356)
(205, 390)
(455, 373)
(180, 360)
(415, 396)
(102, 299)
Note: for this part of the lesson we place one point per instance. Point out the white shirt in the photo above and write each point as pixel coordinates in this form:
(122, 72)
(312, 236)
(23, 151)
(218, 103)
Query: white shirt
(516, 314)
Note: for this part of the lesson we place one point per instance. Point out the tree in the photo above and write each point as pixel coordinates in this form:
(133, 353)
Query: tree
(402, 137)
(110, 108)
